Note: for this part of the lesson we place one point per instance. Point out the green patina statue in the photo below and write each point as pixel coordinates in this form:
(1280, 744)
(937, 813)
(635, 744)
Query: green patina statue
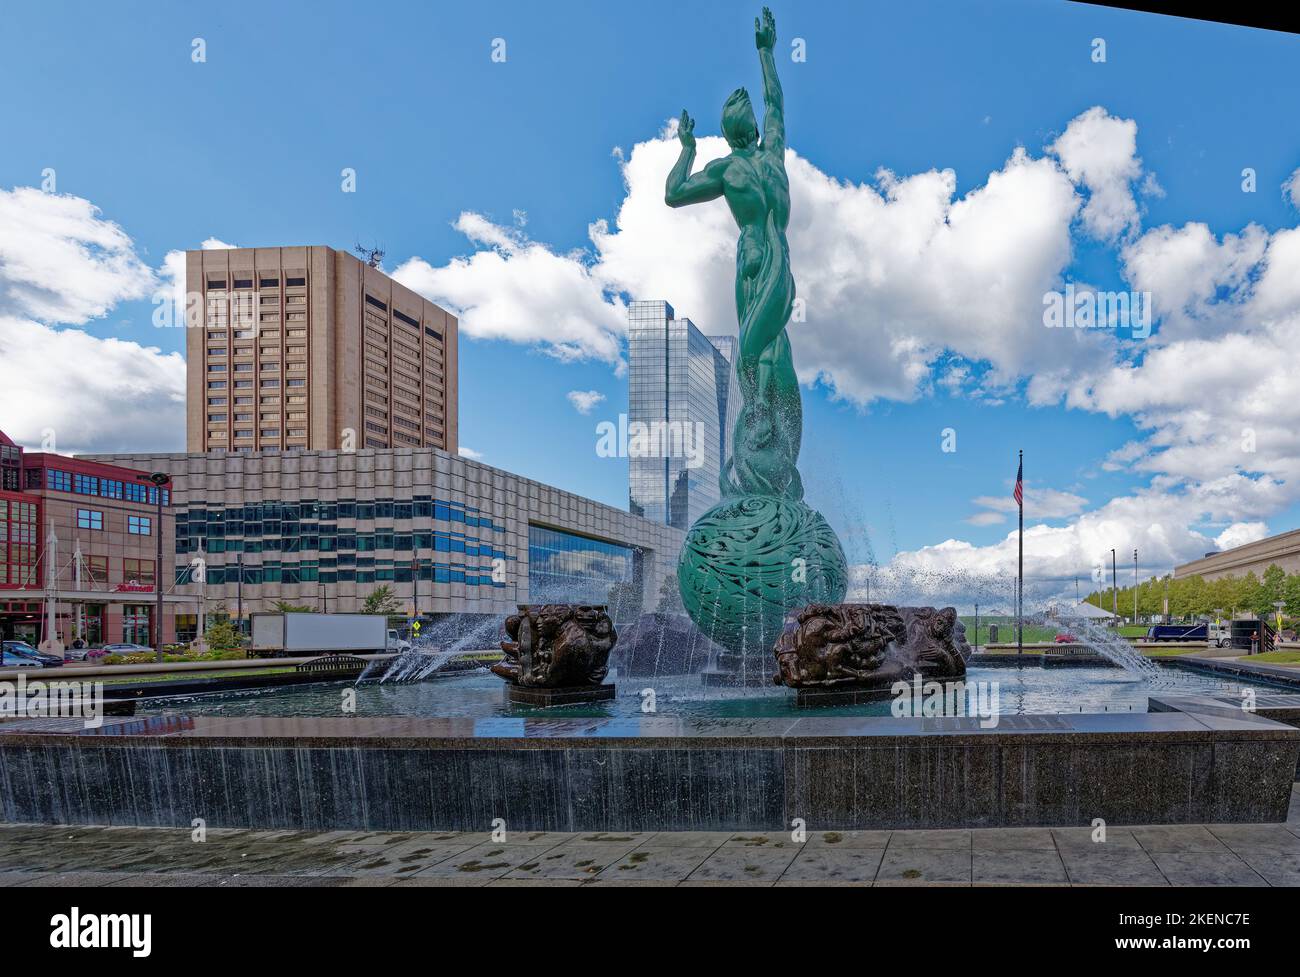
(761, 551)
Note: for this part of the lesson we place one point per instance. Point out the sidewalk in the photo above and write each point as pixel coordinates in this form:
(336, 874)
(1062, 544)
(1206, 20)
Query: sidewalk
(1192, 855)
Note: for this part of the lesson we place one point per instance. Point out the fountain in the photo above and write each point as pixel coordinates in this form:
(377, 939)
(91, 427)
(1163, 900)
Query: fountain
(1109, 644)
(436, 650)
(763, 578)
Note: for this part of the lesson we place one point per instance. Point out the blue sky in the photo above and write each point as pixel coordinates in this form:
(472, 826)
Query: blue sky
(248, 147)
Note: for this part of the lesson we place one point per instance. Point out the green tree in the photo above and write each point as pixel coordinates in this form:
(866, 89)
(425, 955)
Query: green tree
(624, 601)
(285, 607)
(1272, 588)
(381, 600)
(1247, 592)
(1291, 593)
(1222, 595)
(670, 596)
(222, 636)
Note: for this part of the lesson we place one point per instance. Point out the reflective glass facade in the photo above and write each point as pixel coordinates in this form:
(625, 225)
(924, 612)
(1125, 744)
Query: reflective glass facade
(568, 568)
(681, 391)
(367, 541)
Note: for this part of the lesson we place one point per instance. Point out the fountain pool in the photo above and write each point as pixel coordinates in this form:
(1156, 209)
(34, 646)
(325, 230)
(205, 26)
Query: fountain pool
(1029, 690)
(1070, 745)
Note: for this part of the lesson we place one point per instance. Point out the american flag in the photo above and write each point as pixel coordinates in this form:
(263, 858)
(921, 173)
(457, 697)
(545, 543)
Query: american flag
(1019, 493)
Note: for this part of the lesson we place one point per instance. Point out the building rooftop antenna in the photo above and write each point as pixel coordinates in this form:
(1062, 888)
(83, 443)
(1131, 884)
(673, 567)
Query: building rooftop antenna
(372, 256)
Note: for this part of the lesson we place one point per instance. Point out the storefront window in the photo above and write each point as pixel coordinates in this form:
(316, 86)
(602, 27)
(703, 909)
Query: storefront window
(187, 627)
(135, 624)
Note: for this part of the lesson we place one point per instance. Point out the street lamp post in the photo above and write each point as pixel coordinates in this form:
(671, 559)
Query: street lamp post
(159, 479)
(415, 586)
(1135, 586)
(239, 594)
(1114, 588)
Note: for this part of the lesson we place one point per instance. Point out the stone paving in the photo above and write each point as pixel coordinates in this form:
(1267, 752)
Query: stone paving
(1192, 855)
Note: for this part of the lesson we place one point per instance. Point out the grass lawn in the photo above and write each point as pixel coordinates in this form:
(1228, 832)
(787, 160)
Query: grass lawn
(1287, 656)
(1006, 632)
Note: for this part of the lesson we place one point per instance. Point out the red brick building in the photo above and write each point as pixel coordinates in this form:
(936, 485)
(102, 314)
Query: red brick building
(84, 534)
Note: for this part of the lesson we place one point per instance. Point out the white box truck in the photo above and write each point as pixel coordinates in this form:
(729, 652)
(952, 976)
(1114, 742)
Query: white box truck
(302, 635)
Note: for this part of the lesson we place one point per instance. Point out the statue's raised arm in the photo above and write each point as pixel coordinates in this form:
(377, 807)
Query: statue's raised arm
(682, 188)
(773, 100)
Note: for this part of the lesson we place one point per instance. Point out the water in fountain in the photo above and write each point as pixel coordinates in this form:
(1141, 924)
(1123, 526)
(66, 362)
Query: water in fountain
(417, 664)
(1107, 642)
(441, 641)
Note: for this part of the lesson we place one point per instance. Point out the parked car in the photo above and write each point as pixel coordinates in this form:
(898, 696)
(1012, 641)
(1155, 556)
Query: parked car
(1065, 638)
(125, 648)
(11, 659)
(82, 654)
(24, 650)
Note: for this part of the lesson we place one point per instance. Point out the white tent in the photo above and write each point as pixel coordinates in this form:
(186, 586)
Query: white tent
(1083, 610)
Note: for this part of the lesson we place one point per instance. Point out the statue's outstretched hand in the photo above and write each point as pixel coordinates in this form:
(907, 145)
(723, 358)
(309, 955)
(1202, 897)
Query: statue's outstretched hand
(765, 30)
(686, 131)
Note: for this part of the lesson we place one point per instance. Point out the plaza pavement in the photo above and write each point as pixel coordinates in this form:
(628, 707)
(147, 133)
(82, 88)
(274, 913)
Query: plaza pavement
(1160, 855)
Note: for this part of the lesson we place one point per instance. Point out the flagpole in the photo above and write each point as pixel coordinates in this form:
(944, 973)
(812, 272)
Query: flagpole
(1020, 575)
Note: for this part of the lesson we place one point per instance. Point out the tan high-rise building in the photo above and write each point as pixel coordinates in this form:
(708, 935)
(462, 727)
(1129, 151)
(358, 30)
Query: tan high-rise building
(310, 348)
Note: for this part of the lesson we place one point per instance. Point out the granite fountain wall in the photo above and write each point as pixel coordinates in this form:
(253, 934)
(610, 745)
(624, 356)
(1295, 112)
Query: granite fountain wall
(650, 774)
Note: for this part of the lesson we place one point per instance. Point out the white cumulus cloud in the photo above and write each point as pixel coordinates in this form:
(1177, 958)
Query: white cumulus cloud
(1099, 151)
(522, 291)
(60, 261)
(1291, 189)
(584, 401)
(63, 264)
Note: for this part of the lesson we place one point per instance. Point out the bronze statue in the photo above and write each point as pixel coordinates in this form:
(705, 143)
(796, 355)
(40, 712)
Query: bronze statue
(557, 646)
(734, 568)
(869, 645)
(753, 181)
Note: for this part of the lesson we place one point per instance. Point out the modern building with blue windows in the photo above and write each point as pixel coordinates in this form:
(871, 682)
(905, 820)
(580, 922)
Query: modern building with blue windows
(682, 404)
(567, 568)
(449, 535)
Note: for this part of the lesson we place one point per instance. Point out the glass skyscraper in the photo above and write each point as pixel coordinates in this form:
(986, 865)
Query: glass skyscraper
(683, 401)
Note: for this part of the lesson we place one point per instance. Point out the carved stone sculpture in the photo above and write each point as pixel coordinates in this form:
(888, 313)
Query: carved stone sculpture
(557, 646)
(869, 645)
